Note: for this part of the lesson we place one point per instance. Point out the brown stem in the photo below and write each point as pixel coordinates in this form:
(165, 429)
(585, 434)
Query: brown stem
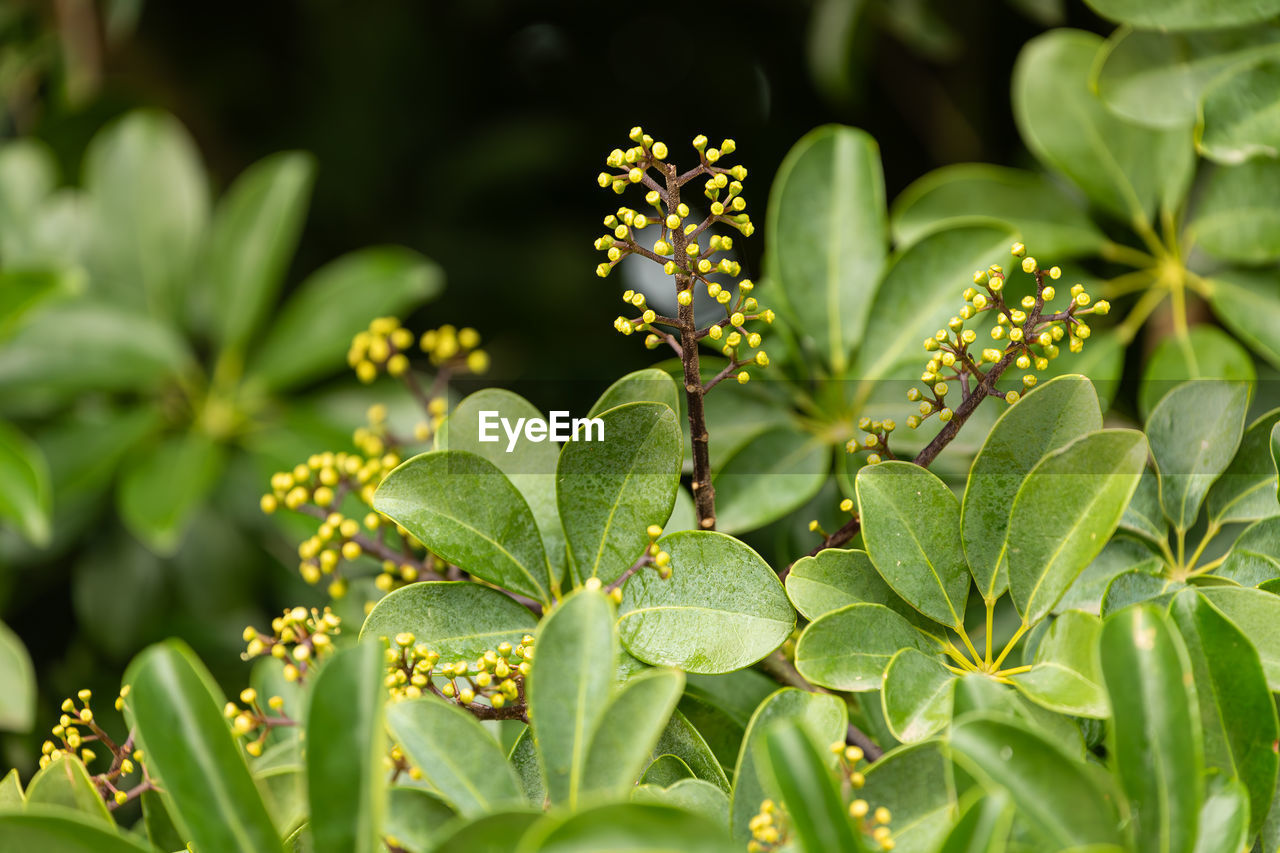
(777, 667)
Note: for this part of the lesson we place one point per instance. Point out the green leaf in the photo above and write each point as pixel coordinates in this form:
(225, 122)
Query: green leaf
(1064, 513)
(1224, 818)
(823, 717)
(665, 771)
(693, 795)
(50, 829)
(346, 779)
(1194, 432)
(1254, 557)
(23, 291)
(1136, 586)
(529, 465)
(1120, 555)
(524, 760)
(28, 175)
(1186, 14)
(149, 200)
(628, 828)
(1246, 491)
(978, 692)
(176, 708)
(1051, 416)
(609, 491)
(849, 648)
(922, 813)
(309, 337)
(465, 510)
(918, 296)
(1065, 677)
(160, 492)
(722, 608)
(650, 385)
(1143, 516)
(1205, 353)
(827, 236)
(1156, 78)
(1056, 794)
(254, 233)
(681, 740)
(1049, 220)
(808, 789)
(1234, 220)
(415, 818)
(835, 578)
(11, 790)
(17, 684)
(569, 688)
(1245, 302)
(1125, 168)
(769, 477)
(917, 695)
(630, 728)
(1155, 730)
(459, 621)
(910, 524)
(493, 833)
(25, 495)
(456, 755)
(735, 420)
(64, 782)
(1238, 120)
(983, 827)
(1237, 714)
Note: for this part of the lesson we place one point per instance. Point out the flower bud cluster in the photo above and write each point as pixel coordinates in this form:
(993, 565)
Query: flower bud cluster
(495, 679)
(78, 735)
(385, 347)
(770, 828)
(252, 719)
(299, 637)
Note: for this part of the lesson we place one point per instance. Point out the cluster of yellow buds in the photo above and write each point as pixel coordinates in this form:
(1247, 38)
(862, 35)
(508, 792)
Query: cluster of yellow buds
(385, 346)
(251, 719)
(299, 637)
(659, 559)
(76, 729)
(376, 439)
(875, 440)
(396, 763)
(338, 538)
(770, 828)
(873, 823)
(326, 478)
(497, 676)
(455, 348)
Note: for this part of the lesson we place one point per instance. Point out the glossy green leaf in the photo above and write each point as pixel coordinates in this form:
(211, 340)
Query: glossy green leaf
(1244, 300)
(1155, 732)
(849, 648)
(1136, 586)
(492, 833)
(910, 524)
(1254, 558)
(149, 200)
(309, 337)
(1050, 417)
(835, 578)
(176, 708)
(1224, 818)
(569, 688)
(769, 477)
(456, 620)
(65, 783)
(630, 728)
(1054, 792)
(977, 692)
(823, 717)
(1255, 613)
(1120, 555)
(1143, 516)
(253, 236)
(1065, 677)
(17, 683)
(25, 494)
(164, 487)
(666, 770)
(529, 465)
(917, 695)
(629, 828)
(23, 291)
(735, 420)
(798, 771)
(455, 753)
(827, 237)
(918, 296)
(50, 829)
(524, 760)
(1194, 432)
(346, 778)
(415, 818)
(1125, 168)
(1237, 714)
(681, 740)
(1234, 220)
(11, 790)
(1238, 120)
(465, 510)
(1156, 78)
(693, 795)
(1050, 221)
(1246, 491)
(650, 385)
(922, 813)
(609, 491)
(983, 827)
(1186, 14)
(1065, 511)
(1205, 353)
(722, 608)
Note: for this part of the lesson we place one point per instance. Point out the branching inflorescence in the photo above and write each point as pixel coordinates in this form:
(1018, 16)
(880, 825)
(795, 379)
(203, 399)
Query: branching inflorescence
(688, 249)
